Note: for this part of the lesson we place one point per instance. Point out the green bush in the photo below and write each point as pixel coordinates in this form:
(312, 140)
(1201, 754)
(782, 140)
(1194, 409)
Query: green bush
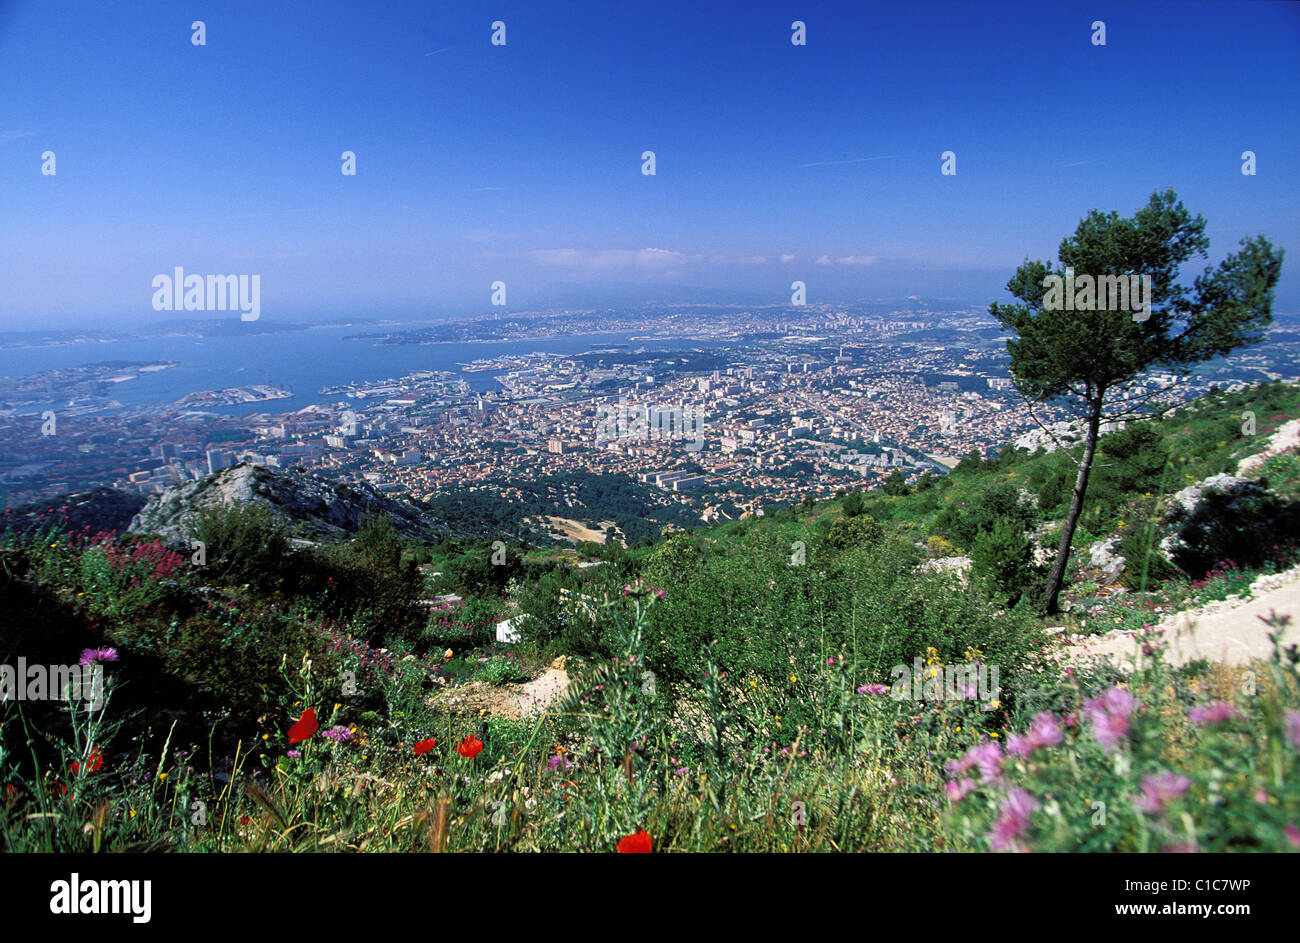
(854, 532)
(1002, 557)
(242, 543)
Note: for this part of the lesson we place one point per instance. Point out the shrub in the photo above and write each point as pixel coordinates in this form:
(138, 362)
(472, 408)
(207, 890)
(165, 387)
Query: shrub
(242, 543)
(860, 531)
(1003, 558)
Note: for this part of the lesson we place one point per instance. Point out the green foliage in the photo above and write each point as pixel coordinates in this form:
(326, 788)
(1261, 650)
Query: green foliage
(1002, 557)
(1246, 527)
(500, 669)
(854, 532)
(242, 543)
(895, 486)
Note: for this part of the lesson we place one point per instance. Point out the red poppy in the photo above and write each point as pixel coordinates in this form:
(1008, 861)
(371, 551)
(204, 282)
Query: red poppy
(305, 727)
(94, 761)
(424, 746)
(638, 843)
(470, 747)
(11, 795)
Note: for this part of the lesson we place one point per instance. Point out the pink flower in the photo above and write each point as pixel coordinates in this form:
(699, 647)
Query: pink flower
(1013, 821)
(1045, 731)
(1216, 712)
(1160, 790)
(873, 689)
(1292, 835)
(97, 656)
(1110, 714)
(958, 789)
(987, 756)
(1292, 723)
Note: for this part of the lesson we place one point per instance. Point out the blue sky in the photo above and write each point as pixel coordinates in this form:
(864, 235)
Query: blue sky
(522, 163)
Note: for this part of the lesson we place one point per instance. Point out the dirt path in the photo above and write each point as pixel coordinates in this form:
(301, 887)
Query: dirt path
(542, 691)
(1228, 631)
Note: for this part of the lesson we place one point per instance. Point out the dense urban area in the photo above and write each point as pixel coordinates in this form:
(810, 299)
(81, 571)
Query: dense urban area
(749, 408)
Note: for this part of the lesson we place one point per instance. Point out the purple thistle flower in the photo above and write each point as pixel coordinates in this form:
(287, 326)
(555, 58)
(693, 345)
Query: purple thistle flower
(1292, 722)
(1045, 731)
(1110, 713)
(1160, 790)
(1216, 712)
(958, 789)
(338, 734)
(1013, 821)
(873, 689)
(97, 656)
(987, 756)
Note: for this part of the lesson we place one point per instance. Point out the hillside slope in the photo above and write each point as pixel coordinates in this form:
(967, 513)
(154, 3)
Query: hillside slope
(313, 507)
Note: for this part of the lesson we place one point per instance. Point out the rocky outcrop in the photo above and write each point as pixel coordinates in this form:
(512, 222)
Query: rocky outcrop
(1102, 556)
(312, 507)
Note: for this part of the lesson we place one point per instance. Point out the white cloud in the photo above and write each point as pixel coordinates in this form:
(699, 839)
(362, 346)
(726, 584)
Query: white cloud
(607, 258)
(856, 260)
(824, 260)
(786, 258)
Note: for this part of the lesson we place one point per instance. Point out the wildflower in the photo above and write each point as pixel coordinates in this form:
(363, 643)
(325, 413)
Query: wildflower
(1292, 721)
(1110, 714)
(1159, 790)
(424, 746)
(305, 727)
(97, 656)
(987, 756)
(1045, 731)
(556, 762)
(1292, 835)
(339, 734)
(960, 788)
(1216, 712)
(1013, 821)
(639, 842)
(873, 689)
(93, 761)
(470, 747)
(294, 754)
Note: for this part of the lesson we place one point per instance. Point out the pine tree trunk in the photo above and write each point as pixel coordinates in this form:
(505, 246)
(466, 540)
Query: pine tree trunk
(1076, 507)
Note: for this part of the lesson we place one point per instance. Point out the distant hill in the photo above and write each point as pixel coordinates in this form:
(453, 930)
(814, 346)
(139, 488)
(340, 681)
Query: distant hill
(100, 509)
(313, 508)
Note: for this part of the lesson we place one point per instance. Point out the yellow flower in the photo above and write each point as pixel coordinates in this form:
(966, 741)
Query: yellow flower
(994, 734)
(133, 813)
(162, 775)
(793, 679)
(266, 736)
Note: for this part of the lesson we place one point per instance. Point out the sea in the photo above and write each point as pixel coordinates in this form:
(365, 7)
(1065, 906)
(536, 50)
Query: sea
(302, 362)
